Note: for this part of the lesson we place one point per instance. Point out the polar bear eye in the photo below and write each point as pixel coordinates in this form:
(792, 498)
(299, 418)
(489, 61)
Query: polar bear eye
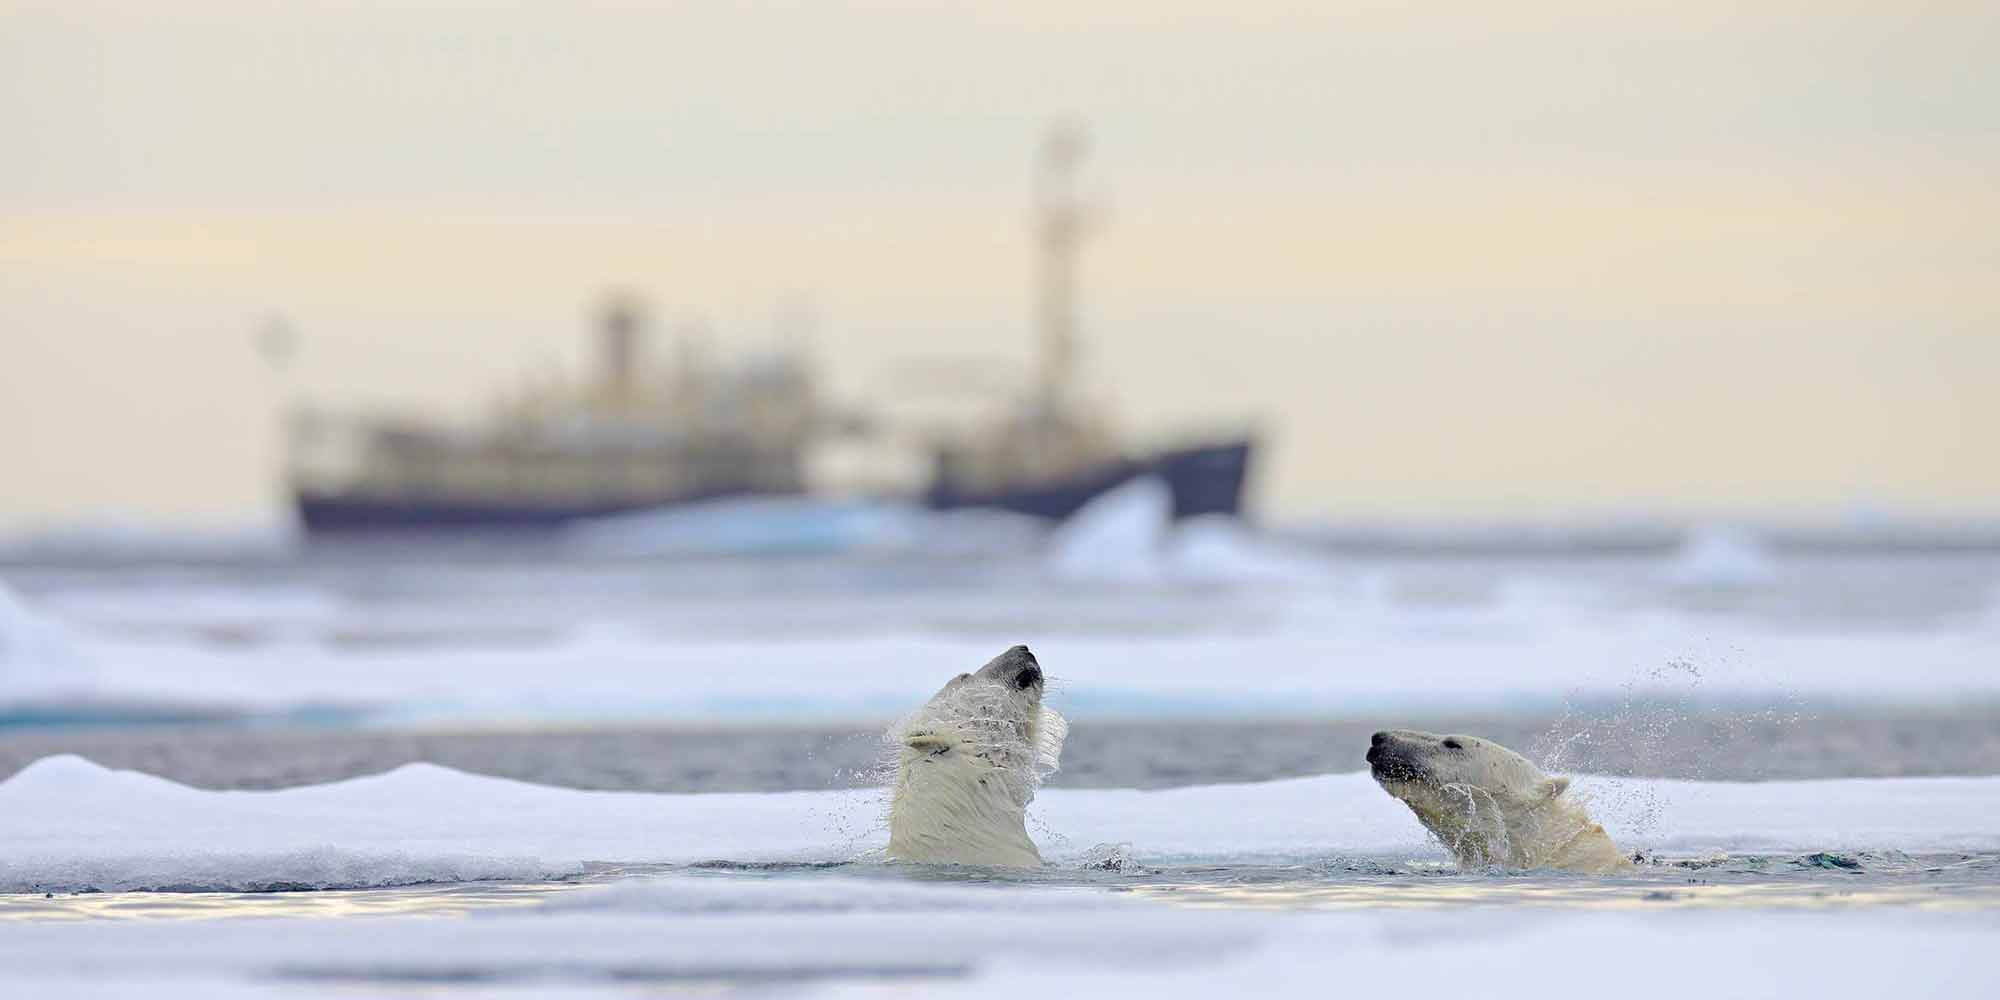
(1453, 745)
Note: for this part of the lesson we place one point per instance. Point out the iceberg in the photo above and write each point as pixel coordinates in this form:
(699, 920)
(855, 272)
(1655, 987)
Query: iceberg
(1720, 557)
(39, 657)
(30, 642)
(1129, 536)
(1118, 537)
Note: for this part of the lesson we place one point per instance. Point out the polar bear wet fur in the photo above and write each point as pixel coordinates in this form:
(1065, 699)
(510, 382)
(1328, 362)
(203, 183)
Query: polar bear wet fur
(967, 764)
(1488, 805)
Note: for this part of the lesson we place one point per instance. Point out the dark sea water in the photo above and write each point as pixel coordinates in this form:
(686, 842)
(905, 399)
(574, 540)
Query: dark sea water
(1716, 745)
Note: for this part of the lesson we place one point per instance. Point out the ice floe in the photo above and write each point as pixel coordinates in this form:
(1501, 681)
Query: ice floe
(69, 824)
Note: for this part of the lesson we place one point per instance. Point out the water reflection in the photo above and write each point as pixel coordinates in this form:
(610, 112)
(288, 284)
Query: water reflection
(1955, 881)
(429, 900)
(1621, 895)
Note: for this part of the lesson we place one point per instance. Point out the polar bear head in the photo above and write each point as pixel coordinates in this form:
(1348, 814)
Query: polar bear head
(1487, 804)
(967, 764)
(1411, 762)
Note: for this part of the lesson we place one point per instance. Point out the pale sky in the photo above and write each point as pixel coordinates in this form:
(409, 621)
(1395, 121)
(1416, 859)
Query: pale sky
(1487, 260)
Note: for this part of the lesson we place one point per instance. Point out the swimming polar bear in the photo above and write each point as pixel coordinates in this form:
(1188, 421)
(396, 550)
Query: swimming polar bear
(1488, 805)
(967, 765)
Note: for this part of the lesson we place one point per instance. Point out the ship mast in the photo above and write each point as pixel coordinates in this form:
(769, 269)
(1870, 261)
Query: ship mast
(1060, 219)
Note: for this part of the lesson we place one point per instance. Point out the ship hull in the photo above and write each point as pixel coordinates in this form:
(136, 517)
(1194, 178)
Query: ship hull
(1206, 479)
(328, 515)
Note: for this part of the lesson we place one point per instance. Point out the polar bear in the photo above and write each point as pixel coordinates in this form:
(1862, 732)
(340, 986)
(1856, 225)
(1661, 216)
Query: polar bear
(967, 765)
(1488, 805)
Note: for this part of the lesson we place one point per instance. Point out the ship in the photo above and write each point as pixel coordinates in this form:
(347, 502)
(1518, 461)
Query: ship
(637, 436)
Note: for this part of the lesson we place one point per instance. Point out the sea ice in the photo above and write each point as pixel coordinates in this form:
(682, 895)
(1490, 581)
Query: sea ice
(69, 824)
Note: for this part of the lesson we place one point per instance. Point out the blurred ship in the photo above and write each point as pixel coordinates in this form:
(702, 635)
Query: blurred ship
(635, 439)
(556, 453)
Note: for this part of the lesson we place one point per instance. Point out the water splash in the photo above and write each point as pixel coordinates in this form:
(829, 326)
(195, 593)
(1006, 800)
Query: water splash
(1481, 839)
(1660, 726)
(1109, 858)
(978, 750)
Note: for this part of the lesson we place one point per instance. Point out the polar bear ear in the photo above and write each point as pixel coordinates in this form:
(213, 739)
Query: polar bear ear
(1552, 787)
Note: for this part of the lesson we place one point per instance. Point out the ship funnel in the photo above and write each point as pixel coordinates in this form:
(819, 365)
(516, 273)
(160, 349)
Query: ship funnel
(620, 329)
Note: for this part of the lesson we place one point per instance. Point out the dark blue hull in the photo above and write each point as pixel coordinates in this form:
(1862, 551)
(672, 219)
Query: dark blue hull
(1205, 480)
(332, 514)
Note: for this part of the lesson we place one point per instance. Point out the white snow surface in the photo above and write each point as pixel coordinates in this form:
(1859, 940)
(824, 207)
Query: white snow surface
(69, 824)
(1494, 953)
(1128, 617)
(1326, 659)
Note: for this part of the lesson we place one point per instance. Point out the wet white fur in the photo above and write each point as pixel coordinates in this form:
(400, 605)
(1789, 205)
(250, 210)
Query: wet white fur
(966, 766)
(1490, 806)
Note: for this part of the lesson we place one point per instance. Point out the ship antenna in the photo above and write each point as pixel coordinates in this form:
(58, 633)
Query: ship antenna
(1060, 220)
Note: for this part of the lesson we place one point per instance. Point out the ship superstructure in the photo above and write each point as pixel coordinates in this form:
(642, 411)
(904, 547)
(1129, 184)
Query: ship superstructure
(634, 436)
